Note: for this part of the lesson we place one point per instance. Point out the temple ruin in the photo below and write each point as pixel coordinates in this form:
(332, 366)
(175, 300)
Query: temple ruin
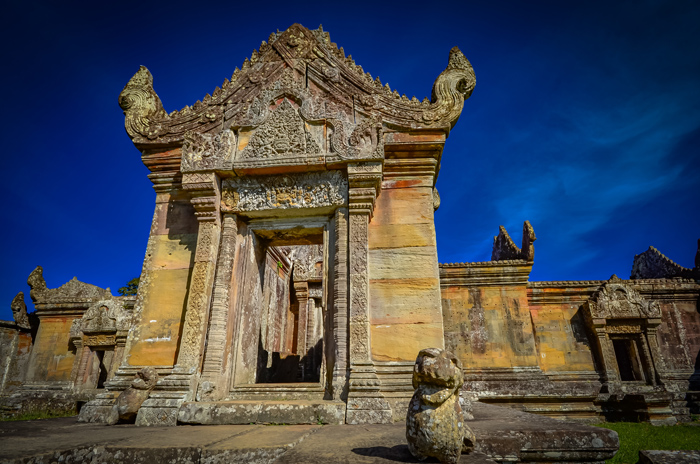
(292, 276)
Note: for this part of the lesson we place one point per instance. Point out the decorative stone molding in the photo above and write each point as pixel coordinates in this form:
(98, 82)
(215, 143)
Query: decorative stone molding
(505, 249)
(292, 191)
(204, 195)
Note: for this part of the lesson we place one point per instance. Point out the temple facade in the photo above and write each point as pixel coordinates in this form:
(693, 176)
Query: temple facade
(291, 273)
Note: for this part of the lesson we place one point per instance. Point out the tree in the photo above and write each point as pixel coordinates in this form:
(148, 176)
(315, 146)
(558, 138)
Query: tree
(131, 287)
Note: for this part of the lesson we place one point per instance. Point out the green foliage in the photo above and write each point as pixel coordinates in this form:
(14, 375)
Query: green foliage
(131, 287)
(643, 436)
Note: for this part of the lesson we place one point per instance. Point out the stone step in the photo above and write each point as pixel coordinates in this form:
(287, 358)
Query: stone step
(262, 412)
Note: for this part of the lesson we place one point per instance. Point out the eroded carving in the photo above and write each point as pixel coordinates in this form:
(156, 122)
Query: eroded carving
(310, 190)
(505, 249)
(19, 311)
(435, 422)
(72, 291)
(616, 300)
(131, 399)
(202, 152)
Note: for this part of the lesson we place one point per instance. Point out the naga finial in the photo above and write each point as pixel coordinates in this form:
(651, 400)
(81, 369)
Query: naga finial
(19, 311)
(141, 105)
(36, 282)
(452, 87)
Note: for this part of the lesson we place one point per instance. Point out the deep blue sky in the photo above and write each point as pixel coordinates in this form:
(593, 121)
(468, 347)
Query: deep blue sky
(585, 120)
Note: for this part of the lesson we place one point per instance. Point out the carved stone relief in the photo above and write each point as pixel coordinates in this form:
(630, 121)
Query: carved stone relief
(202, 152)
(283, 135)
(292, 191)
(615, 300)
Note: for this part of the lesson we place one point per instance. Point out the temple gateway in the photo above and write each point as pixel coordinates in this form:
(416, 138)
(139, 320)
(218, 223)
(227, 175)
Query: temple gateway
(292, 276)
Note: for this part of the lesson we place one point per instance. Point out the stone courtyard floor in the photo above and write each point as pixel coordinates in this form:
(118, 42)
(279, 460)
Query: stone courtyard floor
(503, 435)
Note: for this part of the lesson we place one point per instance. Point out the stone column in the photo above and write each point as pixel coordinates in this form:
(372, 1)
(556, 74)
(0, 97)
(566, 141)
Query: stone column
(366, 404)
(213, 383)
(301, 289)
(163, 404)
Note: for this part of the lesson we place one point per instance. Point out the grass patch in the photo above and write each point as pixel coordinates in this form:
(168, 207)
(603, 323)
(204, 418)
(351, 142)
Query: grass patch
(38, 415)
(636, 436)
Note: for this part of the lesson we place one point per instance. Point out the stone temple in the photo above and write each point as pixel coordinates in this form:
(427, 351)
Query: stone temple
(292, 275)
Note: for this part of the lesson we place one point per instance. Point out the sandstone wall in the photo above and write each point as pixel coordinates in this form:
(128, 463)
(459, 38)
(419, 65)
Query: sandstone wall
(403, 270)
(164, 282)
(486, 317)
(52, 356)
(15, 348)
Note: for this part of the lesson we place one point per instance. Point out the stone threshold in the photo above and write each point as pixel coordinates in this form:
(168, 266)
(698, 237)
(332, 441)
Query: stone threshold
(291, 411)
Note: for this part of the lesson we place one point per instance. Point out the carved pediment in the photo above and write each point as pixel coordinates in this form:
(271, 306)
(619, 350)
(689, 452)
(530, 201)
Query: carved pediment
(73, 291)
(617, 300)
(307, 62)
(106, 316)
(283, 134)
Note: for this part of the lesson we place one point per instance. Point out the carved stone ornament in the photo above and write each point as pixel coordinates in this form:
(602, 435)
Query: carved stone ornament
(292, 191)
(72, 291)
(338, 81)
(19, 311)
(207, 152)
(505, 249)
(616, 300)
(308, 262)
(435, 422)
(102, 323)
(283, 135)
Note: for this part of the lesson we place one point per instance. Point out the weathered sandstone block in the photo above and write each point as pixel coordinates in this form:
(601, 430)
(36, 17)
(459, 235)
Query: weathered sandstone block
(435, 423)
(130, 400)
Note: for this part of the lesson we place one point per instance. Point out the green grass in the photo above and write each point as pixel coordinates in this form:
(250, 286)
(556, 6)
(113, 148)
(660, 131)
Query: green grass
(643, 436)
(38, 415)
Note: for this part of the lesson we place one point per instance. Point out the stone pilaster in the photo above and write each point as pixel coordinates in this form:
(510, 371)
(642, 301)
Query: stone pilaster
(340, 305)
(365, 401)
(301, 289)
(162, 406)
(213, 383)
